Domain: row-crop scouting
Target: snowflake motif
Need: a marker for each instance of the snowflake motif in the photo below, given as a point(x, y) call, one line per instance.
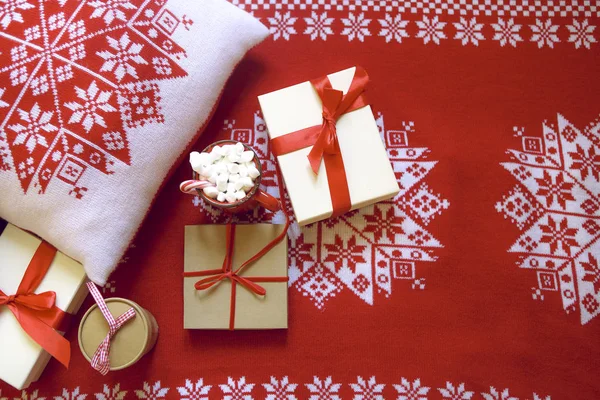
point(581, 33)
point(455, 393)
point(318, 26)
point(237, 390)
point(85, 113)
point(356, 27)
point(468, 31)
point(31, 134)
point(367, 390)
point(507, 32)
point(495, 395)
point(33, 396)
point(411, 391)
point(431, 30)
point(111, 9)
point(115, 394)
point(393, 28)
point(544, 33)
point(282, 25)
point(280, 389)
point(9, 11)
point(197, 391)
point(154, 392)
point(74, 395)
point(324, 389)
point(341, 255)
point(555, 205)
point(118, 62)
point(388, 225)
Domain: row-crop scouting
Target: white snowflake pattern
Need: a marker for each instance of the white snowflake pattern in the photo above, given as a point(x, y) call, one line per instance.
point(280, 389)
point(495, 395)
point(153, 392)
point(237, 390)
point(9, 11)
point(544, 33)
point(581, 33)
point(318, 26)
point(411, 391)
point(197, 391)
point(36, 121)
point(456, 393)
point(115, 394)
point(74, 395)
point(468, 31)
point(111, 9)
point(367, 390)
point(393, 28)
point(324, 389)
point(26, 396)
point(282, 25)
point(85, 113)
point(507, 32)
point(431, 30)
point(119, 62)
point(356, 27)
point(3, 104)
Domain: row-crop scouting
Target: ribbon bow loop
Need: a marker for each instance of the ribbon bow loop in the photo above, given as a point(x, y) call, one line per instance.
point(101, 359)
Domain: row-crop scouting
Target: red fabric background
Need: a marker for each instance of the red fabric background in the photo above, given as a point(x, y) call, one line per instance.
point(475, 323)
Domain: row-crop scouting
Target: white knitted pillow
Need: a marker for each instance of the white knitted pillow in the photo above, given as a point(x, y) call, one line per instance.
point(98, 99)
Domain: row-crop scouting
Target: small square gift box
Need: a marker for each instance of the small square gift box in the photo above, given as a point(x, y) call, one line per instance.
point(328, 146)
point(39, 287)
point(235, 277)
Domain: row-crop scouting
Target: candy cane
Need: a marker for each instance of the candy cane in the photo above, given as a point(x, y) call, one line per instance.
point(190, 186)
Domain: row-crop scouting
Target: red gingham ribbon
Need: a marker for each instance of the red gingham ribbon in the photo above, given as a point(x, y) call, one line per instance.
point(100, 362)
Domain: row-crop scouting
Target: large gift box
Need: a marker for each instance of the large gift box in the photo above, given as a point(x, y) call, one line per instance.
point(328, 146)
point(217, 295)
point(39, 285)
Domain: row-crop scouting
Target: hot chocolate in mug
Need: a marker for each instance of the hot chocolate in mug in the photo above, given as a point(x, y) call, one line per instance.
point(254, 196)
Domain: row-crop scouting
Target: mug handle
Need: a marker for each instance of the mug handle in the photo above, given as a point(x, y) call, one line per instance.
point(267, 201)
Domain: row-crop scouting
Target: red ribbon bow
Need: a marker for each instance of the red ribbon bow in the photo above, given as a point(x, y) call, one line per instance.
point(324, 137)
point(37, 313)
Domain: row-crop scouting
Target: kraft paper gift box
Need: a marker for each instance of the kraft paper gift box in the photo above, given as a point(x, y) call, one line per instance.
point(22, 360)
point(205, 250)
point(368, 170)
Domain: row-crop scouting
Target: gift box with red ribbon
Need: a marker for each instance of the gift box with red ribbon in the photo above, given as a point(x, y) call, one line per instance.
point(328, 146)
point(235, 277)
point(39, 289)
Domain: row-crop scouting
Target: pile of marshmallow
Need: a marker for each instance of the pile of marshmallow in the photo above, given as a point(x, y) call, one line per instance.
point(229, 168)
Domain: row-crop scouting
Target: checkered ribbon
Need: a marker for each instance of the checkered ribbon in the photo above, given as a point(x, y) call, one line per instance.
point(100, 361)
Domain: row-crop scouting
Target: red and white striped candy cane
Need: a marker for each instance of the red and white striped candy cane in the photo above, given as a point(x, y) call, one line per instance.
point(190, 186)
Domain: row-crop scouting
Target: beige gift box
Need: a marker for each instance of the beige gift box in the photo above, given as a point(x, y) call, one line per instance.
point(22, 360)
point(205, 249)
point(368, 169)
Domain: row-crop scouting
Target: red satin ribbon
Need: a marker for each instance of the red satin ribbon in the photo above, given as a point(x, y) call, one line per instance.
point(38, 314)
point(216, 276)
point(324, 137)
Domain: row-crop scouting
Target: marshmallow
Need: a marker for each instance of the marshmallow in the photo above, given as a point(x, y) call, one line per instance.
point(239, 195)
point(233, 168)
point(253, 172)
point(239, 148)
point(247, 182)
point(234, 177)
point(230, 197)
point(217, 150)
point(225, 150)
point(234, 157)
point(213, 178)
point(221, 168)
point(243, 170)
point(221, 197)
point(246, 156)
point(230, 187)
point(221, 184)
point(239, 185)
point(211, 192)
